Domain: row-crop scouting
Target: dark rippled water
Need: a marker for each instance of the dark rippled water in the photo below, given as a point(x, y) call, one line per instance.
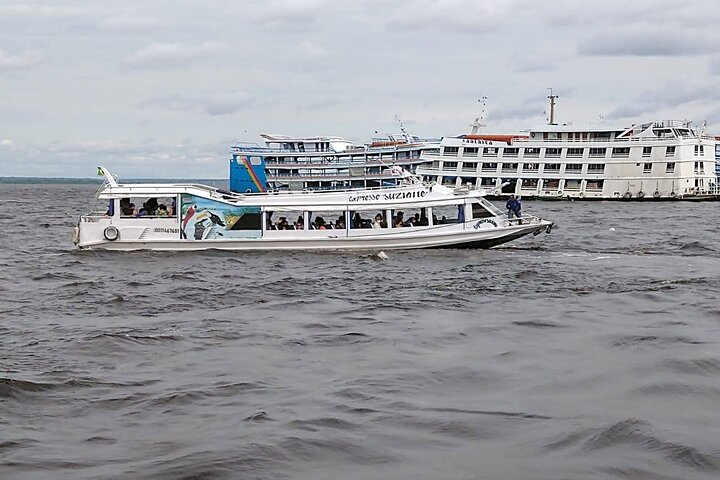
point(586, 354)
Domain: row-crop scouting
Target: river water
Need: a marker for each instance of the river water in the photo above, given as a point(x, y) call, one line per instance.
point(590, 353)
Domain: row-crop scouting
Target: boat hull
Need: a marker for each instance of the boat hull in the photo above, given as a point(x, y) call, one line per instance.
point(430, 237)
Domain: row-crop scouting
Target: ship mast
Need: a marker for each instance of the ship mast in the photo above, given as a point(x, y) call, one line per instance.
point(552, 106)
point(477, 124)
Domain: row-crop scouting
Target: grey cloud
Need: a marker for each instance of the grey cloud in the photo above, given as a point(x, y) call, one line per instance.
point(132, 23)
point(212, 103)
point(669, 96)
point(40, 9)
point(649, 44)
point(449, 15)
point(19, 61)
point(538, 65)
point(526, 110)
point(171, 54)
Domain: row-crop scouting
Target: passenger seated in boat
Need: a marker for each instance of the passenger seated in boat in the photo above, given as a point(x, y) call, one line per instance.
point(377, 222)
point(126, 208)
point(300, 223)
point(398, 221)
point(270, 224)
point(357, 220)
point(162, 211)
point(320, 223)
point(283, 224)
point(340, 223)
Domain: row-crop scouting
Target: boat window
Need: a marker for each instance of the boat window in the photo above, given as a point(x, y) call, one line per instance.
point(285, 220)
point(412, 217)
point(670, 167)
point(360, 219)
point(555, 152)
point(147, 207)
point(444, 215)
point(551, 167)
point(479, 211)
point(670, 151)
point(594, 185)
point(596, 167)
point(573, 167)
point(327, 220)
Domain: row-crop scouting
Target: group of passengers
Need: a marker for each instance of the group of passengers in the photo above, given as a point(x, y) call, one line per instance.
point(150, 208)
point(319, 223)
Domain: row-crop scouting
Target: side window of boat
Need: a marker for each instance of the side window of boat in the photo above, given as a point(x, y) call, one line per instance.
point(479, 211)
point(138, 207)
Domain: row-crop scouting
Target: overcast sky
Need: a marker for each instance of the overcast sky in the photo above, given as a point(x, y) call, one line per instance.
point(163, 88)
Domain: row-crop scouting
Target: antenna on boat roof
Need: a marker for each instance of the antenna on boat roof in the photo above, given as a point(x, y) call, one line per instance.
point(552, 107)
point(477, 124)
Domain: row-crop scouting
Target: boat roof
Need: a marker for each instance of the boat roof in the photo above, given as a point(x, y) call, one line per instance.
point(403, 196)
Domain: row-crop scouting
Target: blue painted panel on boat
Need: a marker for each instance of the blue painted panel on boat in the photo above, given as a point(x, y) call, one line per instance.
point(247, 174)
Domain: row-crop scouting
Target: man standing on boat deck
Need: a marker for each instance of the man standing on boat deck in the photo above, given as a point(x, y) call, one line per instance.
point(511, 206)
point(518, 207)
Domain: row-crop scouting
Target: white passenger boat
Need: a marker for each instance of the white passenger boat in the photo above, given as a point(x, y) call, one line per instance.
point(652, 161)
point(197, 217)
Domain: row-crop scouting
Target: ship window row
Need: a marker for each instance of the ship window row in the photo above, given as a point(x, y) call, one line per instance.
point(321, 160)
point(527, 185)
point(550, 152)
point(512, 167)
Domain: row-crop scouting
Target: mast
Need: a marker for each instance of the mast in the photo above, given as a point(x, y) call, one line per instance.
point(477, 124)
point(552, 106)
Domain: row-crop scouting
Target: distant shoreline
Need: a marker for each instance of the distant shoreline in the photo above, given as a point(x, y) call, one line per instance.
point(96, 181)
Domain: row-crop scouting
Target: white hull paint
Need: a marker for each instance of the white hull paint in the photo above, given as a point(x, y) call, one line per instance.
point(441, 236)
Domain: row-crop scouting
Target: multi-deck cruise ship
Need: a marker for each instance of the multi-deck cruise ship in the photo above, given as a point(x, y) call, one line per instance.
point(654, 160)
point(324, 162)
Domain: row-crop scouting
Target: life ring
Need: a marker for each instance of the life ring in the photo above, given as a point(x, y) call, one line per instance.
point(627, 195)
point(656, 194)
point(672, 194)
point(641, 194)
point(581, 194)
point(559, 193)
point(111, 233)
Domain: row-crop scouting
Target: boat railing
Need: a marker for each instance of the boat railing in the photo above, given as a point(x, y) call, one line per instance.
point(612, 140)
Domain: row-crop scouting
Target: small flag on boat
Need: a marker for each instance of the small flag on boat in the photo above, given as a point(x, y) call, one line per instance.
point(100, 171)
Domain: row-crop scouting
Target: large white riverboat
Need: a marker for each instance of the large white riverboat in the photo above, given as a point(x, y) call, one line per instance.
point(198, 217)
point(654, 160)
point(323, 162)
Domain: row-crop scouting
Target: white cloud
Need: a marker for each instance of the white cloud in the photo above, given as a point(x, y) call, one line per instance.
point(16, 62)
point(211, 103)
point(132, 23)
point(171, 54)
point(6, 142)
point(41, 9)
